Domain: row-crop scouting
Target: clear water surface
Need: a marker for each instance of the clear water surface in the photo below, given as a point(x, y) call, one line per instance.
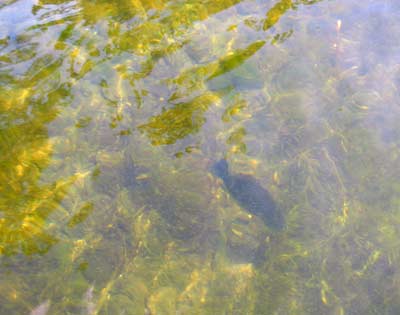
point(113, 114)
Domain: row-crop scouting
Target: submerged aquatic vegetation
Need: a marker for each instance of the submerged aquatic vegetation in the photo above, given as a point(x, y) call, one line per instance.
point(111, 114)
point(180, 121)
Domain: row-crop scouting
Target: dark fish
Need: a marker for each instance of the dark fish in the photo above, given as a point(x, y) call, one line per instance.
point(250, 195)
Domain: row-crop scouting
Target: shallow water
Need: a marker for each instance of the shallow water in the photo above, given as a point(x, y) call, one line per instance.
point(112, 114)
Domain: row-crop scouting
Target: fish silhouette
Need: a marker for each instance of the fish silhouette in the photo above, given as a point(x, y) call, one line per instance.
point(250, 195)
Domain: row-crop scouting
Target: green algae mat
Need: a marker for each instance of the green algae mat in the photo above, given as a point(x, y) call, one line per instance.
point(199, 157)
